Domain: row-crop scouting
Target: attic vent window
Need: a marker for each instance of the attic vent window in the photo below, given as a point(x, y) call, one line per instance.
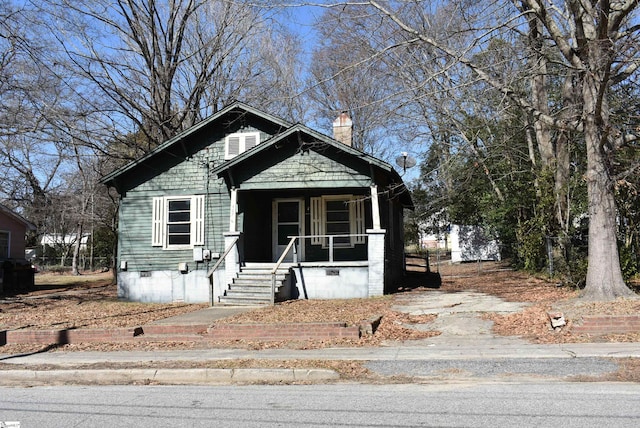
point(240, 142)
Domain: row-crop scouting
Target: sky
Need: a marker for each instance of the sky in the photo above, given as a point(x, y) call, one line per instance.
point(301, 19)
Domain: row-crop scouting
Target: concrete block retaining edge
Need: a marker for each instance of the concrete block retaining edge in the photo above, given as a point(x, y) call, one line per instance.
point(162, 376)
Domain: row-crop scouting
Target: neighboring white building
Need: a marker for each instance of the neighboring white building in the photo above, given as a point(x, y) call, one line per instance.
point(472, 243)
point(54, 239)
point(433, 241)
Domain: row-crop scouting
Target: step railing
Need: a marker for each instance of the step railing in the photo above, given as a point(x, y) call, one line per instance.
point(292, 243)
point(211, 271)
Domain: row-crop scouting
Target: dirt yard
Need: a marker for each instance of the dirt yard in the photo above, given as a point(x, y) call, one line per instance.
point(90, 301)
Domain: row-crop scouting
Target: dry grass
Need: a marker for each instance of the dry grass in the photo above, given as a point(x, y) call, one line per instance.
point(90, 302)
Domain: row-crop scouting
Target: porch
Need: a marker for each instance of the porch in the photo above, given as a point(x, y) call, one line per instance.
point(310, 243)
point(290, 277)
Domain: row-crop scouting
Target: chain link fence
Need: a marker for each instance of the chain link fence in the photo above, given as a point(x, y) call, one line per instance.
point(58, 264)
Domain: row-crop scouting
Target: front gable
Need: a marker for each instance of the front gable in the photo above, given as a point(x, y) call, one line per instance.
point(301, 158)
point(295, 165)
point(184, 158)
point(306, 170)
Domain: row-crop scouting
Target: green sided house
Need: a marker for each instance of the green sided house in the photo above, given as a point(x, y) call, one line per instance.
point(247, 208)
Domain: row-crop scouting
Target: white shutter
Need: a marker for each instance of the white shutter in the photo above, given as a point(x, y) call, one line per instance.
point(358, 206)
point(317, 224)
point(233, 146)
point(157, 223)
point(197, 220)
point(250, 141)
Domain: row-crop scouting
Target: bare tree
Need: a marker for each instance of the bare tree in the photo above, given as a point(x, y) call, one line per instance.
point(345, 76)
point(33, 96)
point(597, 43)
point(154, 68)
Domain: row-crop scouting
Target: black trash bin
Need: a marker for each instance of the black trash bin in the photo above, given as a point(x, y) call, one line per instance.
point(17, 276)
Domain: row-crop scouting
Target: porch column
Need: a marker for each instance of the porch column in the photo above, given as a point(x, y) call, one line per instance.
point(232, 261)
point(233, 210)
point(376, 261)
point(375, 207)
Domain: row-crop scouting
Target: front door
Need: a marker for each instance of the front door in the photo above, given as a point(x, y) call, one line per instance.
point(288, 220)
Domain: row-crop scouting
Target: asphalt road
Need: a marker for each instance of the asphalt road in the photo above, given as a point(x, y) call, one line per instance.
point(345, 405)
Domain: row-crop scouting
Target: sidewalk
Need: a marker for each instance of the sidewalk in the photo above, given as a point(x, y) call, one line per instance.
point(464, 350)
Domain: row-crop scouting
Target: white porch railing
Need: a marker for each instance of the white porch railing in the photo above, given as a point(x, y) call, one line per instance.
point(292, 245)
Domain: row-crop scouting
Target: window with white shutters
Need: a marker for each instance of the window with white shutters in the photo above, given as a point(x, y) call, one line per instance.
point(337, 215)
point(240, 142)
point(359, 227)
point(178, 222)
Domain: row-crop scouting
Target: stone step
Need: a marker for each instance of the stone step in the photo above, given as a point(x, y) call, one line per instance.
point(262, 272)
point(249, 293)
point(250, 288)
point(257, 278)
point(245, 301)
point(264, 268)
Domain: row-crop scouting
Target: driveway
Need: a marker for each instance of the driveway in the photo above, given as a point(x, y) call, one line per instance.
point(459, 316)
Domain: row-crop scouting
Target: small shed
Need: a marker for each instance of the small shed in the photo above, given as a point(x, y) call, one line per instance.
point(473, 243)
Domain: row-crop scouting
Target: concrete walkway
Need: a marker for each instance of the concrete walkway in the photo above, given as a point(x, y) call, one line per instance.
point(465, 336)
point(204, 316)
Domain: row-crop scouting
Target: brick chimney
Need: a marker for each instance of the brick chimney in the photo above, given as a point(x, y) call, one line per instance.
point(342, 128)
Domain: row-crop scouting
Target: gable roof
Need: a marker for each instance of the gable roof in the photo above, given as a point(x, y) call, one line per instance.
point(326, 141)
point(288, 130)
point(302, 129)
point(17, 217)
point(236, 106)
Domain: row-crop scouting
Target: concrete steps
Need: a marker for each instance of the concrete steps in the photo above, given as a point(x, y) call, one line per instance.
point(252, 286)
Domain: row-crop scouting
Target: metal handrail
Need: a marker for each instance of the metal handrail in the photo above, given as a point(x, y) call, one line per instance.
point(224, 255)
point(278, 263)
point(217, 264)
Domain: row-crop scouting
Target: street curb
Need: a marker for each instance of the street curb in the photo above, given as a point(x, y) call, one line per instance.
point(163, 376)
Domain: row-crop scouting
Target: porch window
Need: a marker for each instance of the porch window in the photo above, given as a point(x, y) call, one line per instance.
point(240, 142)
point(178, 222)
point(4, 244)
point(338, 215)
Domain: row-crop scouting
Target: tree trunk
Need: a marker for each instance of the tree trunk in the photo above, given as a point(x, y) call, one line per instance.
point(604, 275)
point(563, 158)
point(76, 251)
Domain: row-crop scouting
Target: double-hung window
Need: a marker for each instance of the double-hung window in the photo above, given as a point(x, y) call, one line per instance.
point(178, 222)
point(338, 215)
point(240, 142)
